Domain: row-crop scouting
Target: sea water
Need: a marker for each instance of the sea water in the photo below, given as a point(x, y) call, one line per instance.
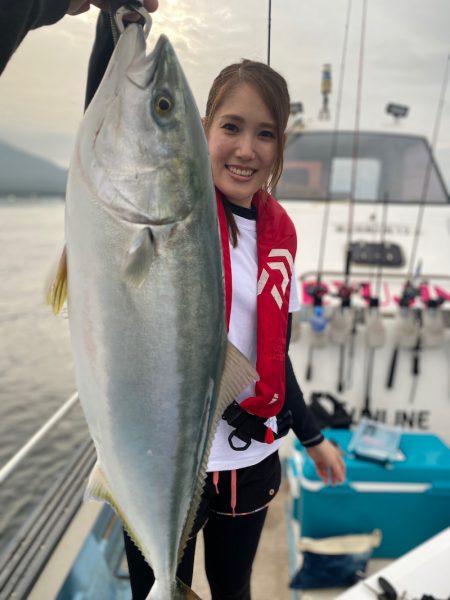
point(36, 370)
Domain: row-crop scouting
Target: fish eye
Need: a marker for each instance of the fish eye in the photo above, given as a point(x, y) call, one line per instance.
point(163, 104)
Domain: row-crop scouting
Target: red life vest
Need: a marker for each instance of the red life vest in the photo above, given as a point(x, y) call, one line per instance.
point(276, 249)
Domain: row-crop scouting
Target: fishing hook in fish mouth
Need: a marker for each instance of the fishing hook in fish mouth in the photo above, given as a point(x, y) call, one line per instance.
point(134, 6)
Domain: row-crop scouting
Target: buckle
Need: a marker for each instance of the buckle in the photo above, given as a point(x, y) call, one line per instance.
point(232, 412)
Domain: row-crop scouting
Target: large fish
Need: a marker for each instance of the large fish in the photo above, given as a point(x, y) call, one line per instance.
point(145, 298)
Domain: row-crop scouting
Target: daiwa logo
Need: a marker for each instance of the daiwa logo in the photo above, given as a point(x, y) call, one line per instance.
point(275, 398)
point(285, 267)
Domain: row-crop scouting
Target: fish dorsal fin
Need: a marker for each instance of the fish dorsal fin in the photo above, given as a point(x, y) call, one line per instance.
point(57, 289)
point(139, 258)
point(237, 374)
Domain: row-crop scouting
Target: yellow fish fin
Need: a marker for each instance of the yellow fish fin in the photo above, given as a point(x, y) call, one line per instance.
point(57, 288)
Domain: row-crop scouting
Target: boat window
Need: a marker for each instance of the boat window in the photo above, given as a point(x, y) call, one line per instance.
point(397, 168)
point(367, 176)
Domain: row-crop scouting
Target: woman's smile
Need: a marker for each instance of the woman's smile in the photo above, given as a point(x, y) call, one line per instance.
point(242, 145)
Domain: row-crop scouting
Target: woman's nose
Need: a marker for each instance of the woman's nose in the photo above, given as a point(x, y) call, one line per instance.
point(246, 147)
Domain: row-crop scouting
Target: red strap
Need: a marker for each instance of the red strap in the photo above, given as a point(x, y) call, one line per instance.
point(223, 228)
point(216, 480)
point(268, 436)
point(233, 491)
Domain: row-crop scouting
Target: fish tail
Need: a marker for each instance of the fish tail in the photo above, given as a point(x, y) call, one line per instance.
point(181, 592)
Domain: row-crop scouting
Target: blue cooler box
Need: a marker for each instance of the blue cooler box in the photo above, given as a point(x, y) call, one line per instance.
point(409, 500)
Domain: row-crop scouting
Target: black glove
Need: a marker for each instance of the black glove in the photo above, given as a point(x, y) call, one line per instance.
point(248, 427)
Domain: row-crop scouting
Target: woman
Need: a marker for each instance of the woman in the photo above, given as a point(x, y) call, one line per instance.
point(246, 117)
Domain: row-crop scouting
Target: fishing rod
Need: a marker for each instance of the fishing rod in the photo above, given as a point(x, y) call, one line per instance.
point(318, 321)
point(318, 337)
point(341, 322)
point(426, 181)
point(407, 327)
point(375, 331)
point(326, 213)
point(409, 323)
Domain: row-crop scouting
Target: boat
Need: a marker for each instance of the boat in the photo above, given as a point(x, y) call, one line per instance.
point(372, 340)
point(373, 219)
point(381, 260)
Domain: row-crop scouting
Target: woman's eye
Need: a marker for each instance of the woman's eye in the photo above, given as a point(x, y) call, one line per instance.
point(230, 127)
point(267, 134)
point(163, 104)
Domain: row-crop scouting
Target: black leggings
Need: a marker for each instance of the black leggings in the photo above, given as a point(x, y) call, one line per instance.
point(230, 549)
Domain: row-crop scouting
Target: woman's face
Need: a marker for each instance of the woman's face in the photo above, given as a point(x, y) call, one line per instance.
point(242, 145)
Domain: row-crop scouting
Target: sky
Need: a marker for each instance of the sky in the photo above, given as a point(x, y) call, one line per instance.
point(406, 50)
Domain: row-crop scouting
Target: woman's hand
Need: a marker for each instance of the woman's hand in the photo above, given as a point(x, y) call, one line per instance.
point(80, 6)
point(328, 462)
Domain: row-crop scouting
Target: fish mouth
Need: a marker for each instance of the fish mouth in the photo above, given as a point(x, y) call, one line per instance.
point(143, 69)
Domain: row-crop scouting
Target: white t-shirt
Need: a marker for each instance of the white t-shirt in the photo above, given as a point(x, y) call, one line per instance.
point(242, 333)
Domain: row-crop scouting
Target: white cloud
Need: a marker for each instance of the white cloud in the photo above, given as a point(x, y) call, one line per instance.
point(42, 89)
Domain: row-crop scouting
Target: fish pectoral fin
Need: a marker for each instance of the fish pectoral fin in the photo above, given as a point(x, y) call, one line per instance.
point(56, 288)
point(237, 374)
point(139, 258)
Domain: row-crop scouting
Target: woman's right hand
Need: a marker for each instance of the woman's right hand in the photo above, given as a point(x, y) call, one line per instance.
point(80, 6)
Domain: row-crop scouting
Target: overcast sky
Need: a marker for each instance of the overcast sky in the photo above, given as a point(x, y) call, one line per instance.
point(406, 49)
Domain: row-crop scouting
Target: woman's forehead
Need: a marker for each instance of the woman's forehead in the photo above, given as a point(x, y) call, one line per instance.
point(245, 98)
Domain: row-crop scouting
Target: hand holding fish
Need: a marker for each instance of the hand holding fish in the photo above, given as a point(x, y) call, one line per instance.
point(77, 7)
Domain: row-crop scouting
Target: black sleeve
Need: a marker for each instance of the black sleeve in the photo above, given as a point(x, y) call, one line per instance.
point(100, 55)
point(17, 17)
point(303, 425)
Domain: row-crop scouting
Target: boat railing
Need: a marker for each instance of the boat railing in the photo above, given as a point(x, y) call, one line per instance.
point(29, 551)
point(12, 464)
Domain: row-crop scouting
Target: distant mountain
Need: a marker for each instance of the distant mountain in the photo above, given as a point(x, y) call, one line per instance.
point(24, 174)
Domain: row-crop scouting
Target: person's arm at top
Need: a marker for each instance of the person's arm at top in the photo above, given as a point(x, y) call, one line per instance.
point(18, 17)
point(326, 457)
point(102, 50)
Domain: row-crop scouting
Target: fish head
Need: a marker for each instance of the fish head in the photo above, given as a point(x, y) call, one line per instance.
point(146, 154)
